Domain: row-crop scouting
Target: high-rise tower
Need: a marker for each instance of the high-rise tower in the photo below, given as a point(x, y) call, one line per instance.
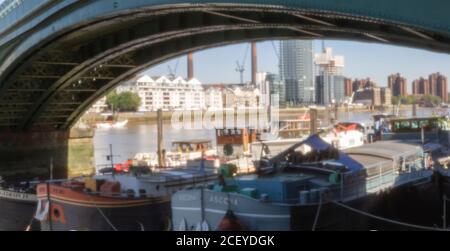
point(296, 70)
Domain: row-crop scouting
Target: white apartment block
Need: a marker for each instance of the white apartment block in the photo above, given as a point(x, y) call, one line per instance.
point(179, 94)
point(165, 93)
point(264, 88)
point(214, 98)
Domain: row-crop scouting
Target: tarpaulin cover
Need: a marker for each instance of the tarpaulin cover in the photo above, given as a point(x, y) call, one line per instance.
point(317, 143)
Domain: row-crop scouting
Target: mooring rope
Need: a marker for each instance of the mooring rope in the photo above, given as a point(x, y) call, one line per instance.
point(316, 220)
point(103, 215)
point(389, 220)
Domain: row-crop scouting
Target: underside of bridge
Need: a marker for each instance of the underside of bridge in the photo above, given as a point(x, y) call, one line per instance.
point(45, 89)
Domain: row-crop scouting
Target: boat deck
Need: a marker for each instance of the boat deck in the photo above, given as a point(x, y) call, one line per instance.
point(387, 150)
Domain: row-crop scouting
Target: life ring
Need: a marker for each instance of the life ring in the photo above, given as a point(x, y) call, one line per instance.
point(57, 213)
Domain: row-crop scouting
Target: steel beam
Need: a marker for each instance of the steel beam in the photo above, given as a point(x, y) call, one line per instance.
point(247, 20)
point(313, 20)
point(417, 33)
point(378, 38)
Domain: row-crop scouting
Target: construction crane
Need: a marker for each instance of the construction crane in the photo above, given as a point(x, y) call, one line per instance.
point(278, 54)
point(173, 71)
point(275, 50)
point(241, 67)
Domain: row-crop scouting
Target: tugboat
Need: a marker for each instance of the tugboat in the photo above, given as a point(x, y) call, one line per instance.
point(137, 200)
point(17, 206)
point(304, 188)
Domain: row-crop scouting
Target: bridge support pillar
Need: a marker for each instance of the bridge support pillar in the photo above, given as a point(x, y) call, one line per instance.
point(29, 155)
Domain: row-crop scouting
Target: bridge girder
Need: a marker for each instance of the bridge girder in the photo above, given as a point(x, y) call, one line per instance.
point(52, 86)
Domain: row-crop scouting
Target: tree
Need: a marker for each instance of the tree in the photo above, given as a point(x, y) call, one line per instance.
point(395, 100)
point(125, 101)
point(434, 100)
point(129, 101)
point(405, 100)
point(112, 100)
point(411, 100)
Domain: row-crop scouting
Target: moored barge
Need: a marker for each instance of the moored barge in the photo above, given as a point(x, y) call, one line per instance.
point(135, 201)
point(17, 207)
point(305, 187)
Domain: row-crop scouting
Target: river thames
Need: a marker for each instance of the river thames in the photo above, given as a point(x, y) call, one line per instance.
point(142, 136)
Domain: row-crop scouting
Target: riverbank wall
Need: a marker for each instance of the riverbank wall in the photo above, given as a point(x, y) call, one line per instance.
point(284, 113)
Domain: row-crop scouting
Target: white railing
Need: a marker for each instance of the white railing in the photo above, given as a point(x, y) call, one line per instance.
point(357, 185)
point(8, 5)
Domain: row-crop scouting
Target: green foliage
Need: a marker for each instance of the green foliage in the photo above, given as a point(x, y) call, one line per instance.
point(411, 99)
point(125, 101)
point(403, 100)
point(432, 99)
point(395, 100)
point(112, 100)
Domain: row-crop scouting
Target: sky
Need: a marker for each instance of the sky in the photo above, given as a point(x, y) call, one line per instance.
point(374, 60)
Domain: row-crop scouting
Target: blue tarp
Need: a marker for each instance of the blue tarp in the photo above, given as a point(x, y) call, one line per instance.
point(317, 143)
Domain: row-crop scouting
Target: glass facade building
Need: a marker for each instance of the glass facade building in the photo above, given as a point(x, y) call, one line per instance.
point(297, 70)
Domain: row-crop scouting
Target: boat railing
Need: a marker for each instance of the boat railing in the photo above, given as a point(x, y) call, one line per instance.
point(372, 179)
point(178, 179)
point(121, 195)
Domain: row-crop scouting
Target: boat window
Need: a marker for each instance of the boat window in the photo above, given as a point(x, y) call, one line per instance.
point(434, 124)
point(405, 125)
point(415, 124)
point(424, 123)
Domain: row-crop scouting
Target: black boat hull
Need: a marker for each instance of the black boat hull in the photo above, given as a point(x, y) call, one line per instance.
point(409, 204)
point(17, 214)
point(153, 216)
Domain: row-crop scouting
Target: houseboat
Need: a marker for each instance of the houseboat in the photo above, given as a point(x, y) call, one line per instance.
point(137, 200)
point(17, 206)
point(309, 187)
point(234, 147)
point(185, 152)
point(423, 129)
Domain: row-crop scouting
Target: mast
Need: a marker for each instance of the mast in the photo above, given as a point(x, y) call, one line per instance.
point(161, 159)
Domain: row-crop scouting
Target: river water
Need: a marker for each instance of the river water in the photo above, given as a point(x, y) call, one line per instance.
point(142, 137)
